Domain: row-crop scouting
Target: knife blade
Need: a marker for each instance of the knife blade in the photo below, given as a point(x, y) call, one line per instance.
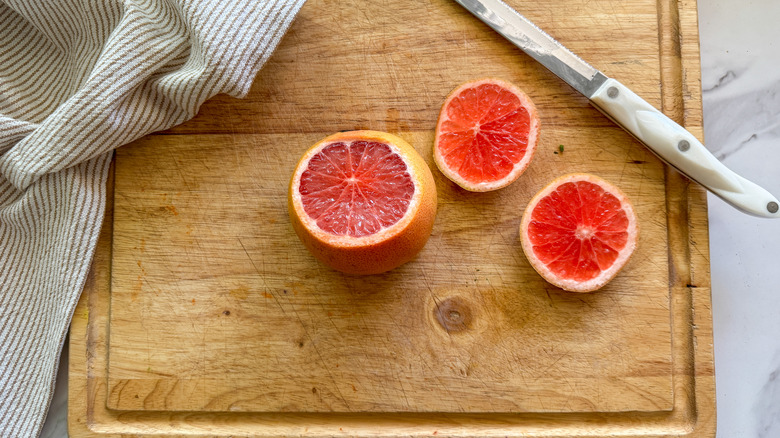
point(664, 137)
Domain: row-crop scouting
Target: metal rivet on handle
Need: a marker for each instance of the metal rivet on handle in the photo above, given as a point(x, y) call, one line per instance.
point(772, 207)
point(612, 92)
point(683, 145)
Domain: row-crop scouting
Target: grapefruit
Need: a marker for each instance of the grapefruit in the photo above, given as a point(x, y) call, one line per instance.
point(363, 202)
point(578, 232)
point(486, 135)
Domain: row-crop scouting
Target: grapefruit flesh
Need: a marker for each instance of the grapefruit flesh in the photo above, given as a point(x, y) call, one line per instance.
point(356, 189)
point(363, 202)
point(486, 135)
point(578, 232)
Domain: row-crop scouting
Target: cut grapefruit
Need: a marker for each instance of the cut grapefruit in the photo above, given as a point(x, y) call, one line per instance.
point(486, 135)
point(578, 232)
point(363, 202)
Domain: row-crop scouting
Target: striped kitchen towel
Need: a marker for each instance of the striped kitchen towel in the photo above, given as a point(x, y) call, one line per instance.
point(77, 79)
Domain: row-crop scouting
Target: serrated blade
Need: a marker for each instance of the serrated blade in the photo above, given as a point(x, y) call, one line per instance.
point(537, 44)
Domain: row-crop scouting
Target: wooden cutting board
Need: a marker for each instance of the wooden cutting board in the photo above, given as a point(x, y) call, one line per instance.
point(205, 316)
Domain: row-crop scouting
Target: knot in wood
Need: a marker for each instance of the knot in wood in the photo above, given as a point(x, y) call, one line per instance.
point(454, 314)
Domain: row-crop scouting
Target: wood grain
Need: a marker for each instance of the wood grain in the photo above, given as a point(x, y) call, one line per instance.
point(386, 65)
point(205, 316)
point(268, 328)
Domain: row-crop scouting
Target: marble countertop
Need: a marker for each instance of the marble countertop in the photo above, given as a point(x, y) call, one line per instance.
point(740, 53)
point(740, 49)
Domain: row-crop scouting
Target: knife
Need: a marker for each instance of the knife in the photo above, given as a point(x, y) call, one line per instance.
point(668, 140)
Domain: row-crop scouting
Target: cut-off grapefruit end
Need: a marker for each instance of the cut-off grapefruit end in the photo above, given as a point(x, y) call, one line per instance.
point(579, 232)
point(486, 134)
point(363, 202)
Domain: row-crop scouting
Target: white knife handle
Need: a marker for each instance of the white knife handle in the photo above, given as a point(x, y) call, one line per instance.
point(678, 147)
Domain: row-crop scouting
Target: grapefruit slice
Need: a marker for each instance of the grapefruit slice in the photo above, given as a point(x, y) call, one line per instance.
point(578, 232)
point(363, 202)
point(486, 135)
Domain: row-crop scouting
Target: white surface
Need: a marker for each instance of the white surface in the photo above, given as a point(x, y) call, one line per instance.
point(56, 422)
point(740, 50)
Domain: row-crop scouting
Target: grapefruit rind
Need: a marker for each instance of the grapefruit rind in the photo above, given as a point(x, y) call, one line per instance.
point(386, 249)
point(606, 275)
point(519, 167)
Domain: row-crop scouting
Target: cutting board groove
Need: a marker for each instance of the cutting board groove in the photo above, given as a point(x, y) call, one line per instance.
point(204, 316)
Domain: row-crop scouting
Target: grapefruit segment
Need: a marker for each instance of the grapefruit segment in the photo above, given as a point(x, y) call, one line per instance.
point(578, 232)
point(486, 135)
point(363, 202)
